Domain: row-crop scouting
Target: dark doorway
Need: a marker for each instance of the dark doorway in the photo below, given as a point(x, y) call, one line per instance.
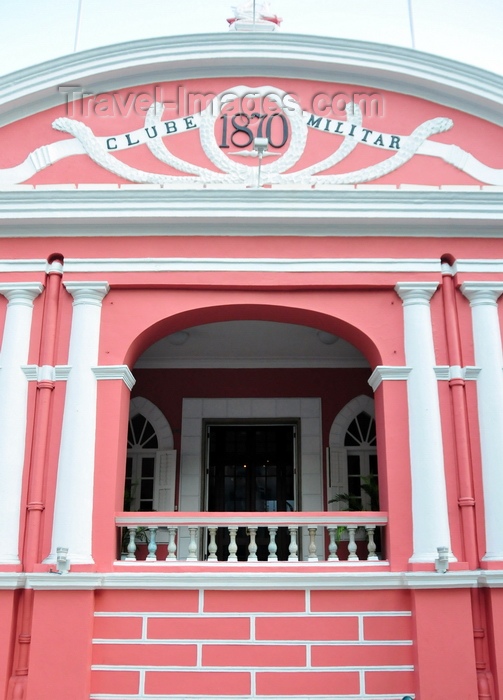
point(251, 468)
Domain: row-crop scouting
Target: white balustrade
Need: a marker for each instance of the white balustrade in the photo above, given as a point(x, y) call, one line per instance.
point(252, 537)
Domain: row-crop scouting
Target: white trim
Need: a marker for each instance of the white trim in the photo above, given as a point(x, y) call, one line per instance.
point(444, 372)
point(343, 419)
point(332, 265)
point(301, 56)
point(12, 581)
point(115, 372)
point(320, 577)
point(46, 373)
point(388, 372)
point(157, 419)
point(364, 210)
point(320, 265)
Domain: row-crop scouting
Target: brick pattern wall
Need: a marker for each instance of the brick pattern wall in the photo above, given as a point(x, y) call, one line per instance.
point(252, 644)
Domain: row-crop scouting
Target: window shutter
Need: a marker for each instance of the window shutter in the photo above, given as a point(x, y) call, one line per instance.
point(164, 480)
point(337, 475)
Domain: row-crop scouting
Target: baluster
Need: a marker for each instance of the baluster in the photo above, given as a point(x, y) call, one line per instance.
point(272, 547)
point(131, 548)
point(233, 548)
point(171, 543)
point(252, 547)
point(332, 547)
point(352, 544)
point(312, 544)
point(371, 546)
point(192, 544)
point(152, 544)
point(212, 545)
point(293, 547)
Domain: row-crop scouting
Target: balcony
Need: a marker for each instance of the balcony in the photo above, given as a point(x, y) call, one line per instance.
point(340, 538)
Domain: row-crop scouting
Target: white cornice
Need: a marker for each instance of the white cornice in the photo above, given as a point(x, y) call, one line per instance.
point(391, 266)
point(121, 372)
point(315, 576)
point(11, 581)
point(383, 372)
point(141, 211)
point(280, 55)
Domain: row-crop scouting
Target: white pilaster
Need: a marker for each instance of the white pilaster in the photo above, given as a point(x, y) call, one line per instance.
point(429, 496)
point(13, 410)
point(483, 298)
point(73, 509)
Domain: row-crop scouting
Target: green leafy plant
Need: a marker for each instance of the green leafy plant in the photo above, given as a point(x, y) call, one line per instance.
point(369, 485)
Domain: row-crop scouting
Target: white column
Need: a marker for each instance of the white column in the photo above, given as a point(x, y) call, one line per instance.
point(73, 509)
point(429, 495)
point(13, 411)
point(483, 298)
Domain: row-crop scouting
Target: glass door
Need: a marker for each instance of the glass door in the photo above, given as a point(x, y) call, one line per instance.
point(251, 468)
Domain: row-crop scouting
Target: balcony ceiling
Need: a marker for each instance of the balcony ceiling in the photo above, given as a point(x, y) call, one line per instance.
point(251, 344)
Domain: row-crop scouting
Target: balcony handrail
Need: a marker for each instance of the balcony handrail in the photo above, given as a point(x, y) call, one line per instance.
point(247, 519)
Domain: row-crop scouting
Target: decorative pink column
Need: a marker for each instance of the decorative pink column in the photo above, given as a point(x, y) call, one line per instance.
point(73, 509)
point(13, 410)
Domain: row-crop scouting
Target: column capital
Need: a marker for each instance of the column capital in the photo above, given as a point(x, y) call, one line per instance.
point(416, 292)
point(482, 293)
point(87, 293)
point(21, 293)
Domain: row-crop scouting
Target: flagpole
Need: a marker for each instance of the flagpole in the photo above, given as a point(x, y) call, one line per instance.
point(77, 28)
point(411, 25)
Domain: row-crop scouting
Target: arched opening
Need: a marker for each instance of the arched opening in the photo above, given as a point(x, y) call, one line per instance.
point(251, 403)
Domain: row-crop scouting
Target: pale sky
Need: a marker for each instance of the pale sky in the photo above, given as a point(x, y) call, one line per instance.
point(33, 31)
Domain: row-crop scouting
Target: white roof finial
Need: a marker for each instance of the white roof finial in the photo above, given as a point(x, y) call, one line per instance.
point(254, 16)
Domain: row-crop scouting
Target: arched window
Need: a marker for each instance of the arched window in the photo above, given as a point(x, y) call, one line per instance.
point(352, 474)
point(151, 460)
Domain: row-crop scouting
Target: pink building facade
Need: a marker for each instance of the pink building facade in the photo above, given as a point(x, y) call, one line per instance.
point(251, 377)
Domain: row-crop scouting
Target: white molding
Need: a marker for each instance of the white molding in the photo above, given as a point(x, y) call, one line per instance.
point(483, 293)
point(115, 372)
point(332, 265)
point(477, 266)
point(343, 419)
point(156, 417)
point(228, 54)
point(87, 293)
point(388, 372)
point(320, 576)
point(46, 373)
point(446, 373)
point(358, 211)
point(12, 581)
point(21, 293)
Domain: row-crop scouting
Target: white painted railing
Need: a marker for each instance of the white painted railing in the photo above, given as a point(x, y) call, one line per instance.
point(214, 536)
